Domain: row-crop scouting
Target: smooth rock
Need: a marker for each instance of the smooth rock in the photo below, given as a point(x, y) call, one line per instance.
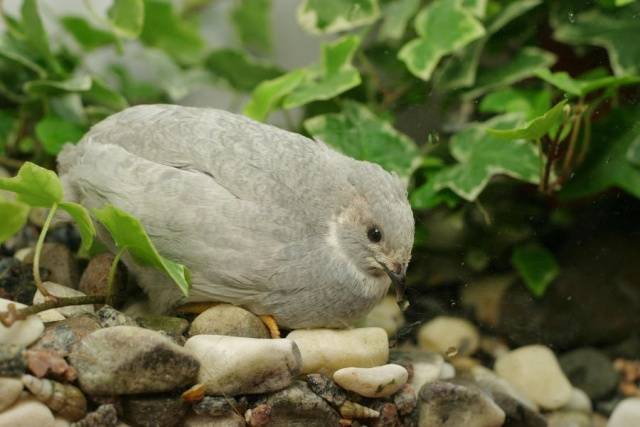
point(386, 315)
point(445, 333)
point(297, 405)
point(227, 319)
point(447, 372)
point(626, 413)
point(62, 291)
point(237, 365)
point(60, 262)
point(484, 297)
point(154, 411)
point(568, 419)
point(109, 316)
point(95, 277)
point(61, 336)
point(591, 371)
point(104, 416)
point(22, 332)
point(27, 413)
point(231, 420)
point(443, 404)
point(493, 384)
point(10, 389)
point(13, 362)
point(535, 371)
point(380, 381)
point(129, 359)
point(175, 327)
point(423, 367)
point(579, 402)
point(327, 350)
point(405, 400)
point(61, 422)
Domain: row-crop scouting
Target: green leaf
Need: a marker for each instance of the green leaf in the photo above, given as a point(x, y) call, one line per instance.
point(616, 30)
point(36, 34)
point(477, 7)
point(83, 221)
point(359, 133)
point(252, 23)
point(582, 87)
point(333, 16)
point(85, 34)
point(164, 29)
point(607, 165)
point(35, 186)
point(79, 83)
point(101, 94)
point(14, 51)
point(13, 216)
point(633, 153)
point(336, 74)
point(537, 267)
point(269, 94)
point(530, 103)
point(396, 16)
point(240, 71)
point(524, 65)
point(482, 155)
point(444, 27)
point(128, 233)
point(536, 128)
point(127, 17)
point(53, 132)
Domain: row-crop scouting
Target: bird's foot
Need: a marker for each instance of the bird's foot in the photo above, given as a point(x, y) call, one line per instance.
point(271, 325)
point(195, 307)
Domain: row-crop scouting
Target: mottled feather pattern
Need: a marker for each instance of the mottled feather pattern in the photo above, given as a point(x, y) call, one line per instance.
point(246, 206)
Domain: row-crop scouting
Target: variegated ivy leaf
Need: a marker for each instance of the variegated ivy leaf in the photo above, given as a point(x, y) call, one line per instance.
point(396, 16)
point(536, 265)
point(443, 26)
point(359, 133)
point(530, 103)
point(332, 16)
point(481, 156)
point(536, 128)
point(251, 21)
point(582, 87)
point(477, 7)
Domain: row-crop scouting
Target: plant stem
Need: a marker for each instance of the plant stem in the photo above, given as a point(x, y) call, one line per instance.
point(8, 317)
point(540, 154)
point(112, 275)
point(39, 245)
point(573, 139)
point(12, 163)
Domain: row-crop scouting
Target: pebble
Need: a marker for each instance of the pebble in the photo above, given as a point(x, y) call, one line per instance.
point(591, 371)
point(22, 332)
point(62, 291)
point(297, 405)
point(109, 316)
point(326, 388)
point(105, 416)
point(493, 384)
point(13, 362)
point(579, 401)
point(215, 406)
point(569, 419)
point(10, 389)
point(380, 381)
point(154, 411)
point(175, 327)
point(95, 276)
point(448, 371)
point(386, 315)
point(60, 262)
point(16, 280)
point(62, 336)
point(238, 365)
point(485, 296)
point(535, 371)
point(626, 413)
point(444, 404)
point(445, 333)
point(423, 366)
point(405, 399)
point(231, 420)
point(26, 413)
point(327, 350)
point(227, 319)
point(129, 359)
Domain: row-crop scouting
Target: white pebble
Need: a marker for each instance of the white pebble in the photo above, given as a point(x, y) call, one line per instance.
point(238, 365)
point(62, 292)
point(426, 369)
point(380, 381)
point(579, 401)
point(448, 371)
point(626, 413)
point(27, 413)
point(10, 389)
point(535, 372)
point(445, 333)
point(22, 332)
point(327, 350)
point(386, 315)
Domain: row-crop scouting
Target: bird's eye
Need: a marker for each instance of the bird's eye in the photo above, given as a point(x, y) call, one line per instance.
point(374, 234)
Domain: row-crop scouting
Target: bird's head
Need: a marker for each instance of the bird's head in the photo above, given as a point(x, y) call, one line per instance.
point(375, 228)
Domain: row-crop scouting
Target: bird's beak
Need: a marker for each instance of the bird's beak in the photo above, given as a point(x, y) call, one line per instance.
point(398, 280)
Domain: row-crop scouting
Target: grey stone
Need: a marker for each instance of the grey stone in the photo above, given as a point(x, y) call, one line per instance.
point(60, 262)
point(13, 362)
point(129, 359)
point(109, 316)
point(154, 411)
point(16, 280)
point(215, 406)
point(298, 406)
point(569, 419)
point(227, 319)
point(61, 336)
point(326, 388)
point(444, 404)
point(591, 371)
point(175, 327)
point(104, 416)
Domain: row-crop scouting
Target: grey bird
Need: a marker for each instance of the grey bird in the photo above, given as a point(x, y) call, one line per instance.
point(264, 218)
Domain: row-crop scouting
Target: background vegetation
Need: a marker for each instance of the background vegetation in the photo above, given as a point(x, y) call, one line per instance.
point(512, 121)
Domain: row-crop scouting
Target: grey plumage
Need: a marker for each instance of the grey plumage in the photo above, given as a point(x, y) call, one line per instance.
point(263, 218)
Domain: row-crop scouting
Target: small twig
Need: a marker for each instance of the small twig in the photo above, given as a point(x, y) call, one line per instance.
point(38, 251)
point(568, 164)
point(540, 154)
point(552, 154)
point(112, 275)
point(11, 315)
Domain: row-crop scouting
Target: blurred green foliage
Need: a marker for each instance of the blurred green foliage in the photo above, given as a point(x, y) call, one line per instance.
point(472, 81)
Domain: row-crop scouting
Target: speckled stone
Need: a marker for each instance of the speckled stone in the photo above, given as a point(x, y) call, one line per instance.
point(61, 336)
point(13, 362)
point(297, 405)
point(154, 411)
